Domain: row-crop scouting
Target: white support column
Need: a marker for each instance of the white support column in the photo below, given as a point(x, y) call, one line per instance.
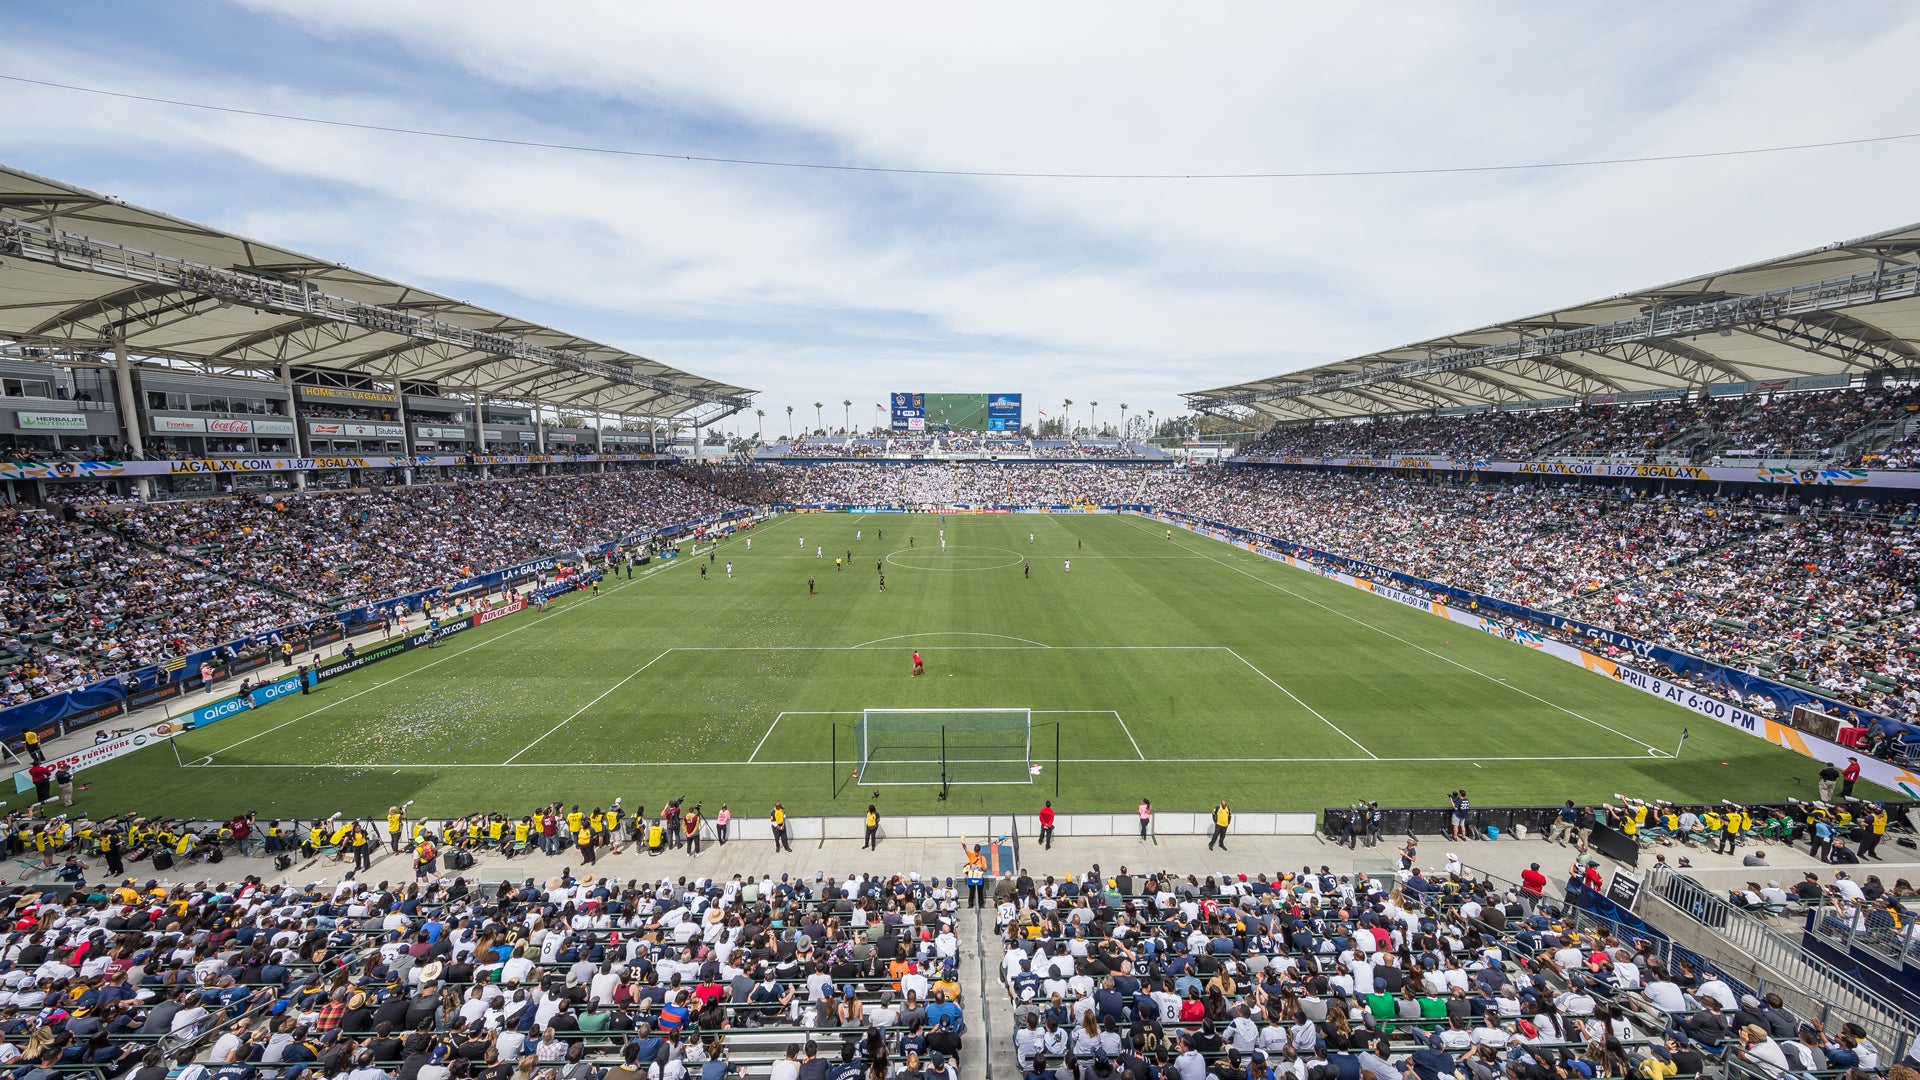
point(540, 432)
point(302, 444)
point(406, 430)
point(132, 415)
point(479, 403)
point(599, 440)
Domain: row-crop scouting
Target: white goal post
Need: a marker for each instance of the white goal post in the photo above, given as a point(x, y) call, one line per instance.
point(944, 746)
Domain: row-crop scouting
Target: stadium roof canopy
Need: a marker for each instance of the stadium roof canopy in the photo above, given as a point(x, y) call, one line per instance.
point(83, 273)
point(1846, 308)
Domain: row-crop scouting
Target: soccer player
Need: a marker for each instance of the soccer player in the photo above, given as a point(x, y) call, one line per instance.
point(1029, 538)
point(1027, 571)
point(1069, 567)
point(729, 569)
point(1078, 544)
point(703, 571)
point(749, 543)
point(1169, 534)
point(809, 586)
point(836, 564)
point(803, 545)
point(819, 552)
point(919, 665)
point(883, 583)
point(856, 534)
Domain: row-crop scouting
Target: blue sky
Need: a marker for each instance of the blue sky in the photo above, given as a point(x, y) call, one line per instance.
point(824, 286)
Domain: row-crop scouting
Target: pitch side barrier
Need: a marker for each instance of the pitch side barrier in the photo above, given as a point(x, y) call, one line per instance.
point(1465, 607)
point(57, 714)
point(290, 686)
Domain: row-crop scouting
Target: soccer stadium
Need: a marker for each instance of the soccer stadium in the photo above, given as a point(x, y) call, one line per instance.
point(405, 687)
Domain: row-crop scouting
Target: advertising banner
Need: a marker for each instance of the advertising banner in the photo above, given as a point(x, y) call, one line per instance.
point(1003, 412)
point(178, 423)
point(357, 431)
point(48, 421)
point(329, 393)
point(100, 753)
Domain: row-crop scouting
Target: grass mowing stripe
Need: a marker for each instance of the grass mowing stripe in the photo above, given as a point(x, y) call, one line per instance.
point(1424, 649)
point(588, 705)
point(1302, 704)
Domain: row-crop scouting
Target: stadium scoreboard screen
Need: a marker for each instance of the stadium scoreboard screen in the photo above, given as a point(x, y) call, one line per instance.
point(956, 412)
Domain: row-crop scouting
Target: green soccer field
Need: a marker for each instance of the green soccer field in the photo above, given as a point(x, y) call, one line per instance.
point(1182, 670)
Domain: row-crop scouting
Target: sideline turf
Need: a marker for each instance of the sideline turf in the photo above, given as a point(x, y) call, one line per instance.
point(1180, 670)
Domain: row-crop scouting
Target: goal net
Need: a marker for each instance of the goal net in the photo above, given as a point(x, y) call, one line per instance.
point(945, 746)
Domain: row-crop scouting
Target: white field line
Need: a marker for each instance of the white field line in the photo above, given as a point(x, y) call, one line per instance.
point(1304, 705)
point(591, 704)
point(769, 734)
point(528, 625)
point(1412, 645)
point(1123, 727)
point(642, 576)
point(823, 761)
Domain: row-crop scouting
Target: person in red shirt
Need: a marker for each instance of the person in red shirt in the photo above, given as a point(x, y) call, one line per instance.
point(1532, 881)
point(1046, 825)
point(919, 665)
point(42, 777)
point(1849, 776)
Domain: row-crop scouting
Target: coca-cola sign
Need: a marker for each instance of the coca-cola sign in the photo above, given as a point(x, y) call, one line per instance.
point(230, 427)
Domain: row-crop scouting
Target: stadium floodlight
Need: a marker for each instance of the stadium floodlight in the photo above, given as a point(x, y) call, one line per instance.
point(944, 746)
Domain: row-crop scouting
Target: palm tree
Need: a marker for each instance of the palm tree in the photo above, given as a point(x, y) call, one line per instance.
point(789, 423)
point(1123, 419)
point(819, 424)
point(846, 416)
point(1093, 425)
point(760, 422)
point(1066, 414)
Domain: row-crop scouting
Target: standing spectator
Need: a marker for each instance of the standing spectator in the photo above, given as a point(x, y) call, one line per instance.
point(1046, 825)
point(720, 822)
point(1146, 817)
point(64, 777)
point(32, 740)
point(42, 778)
point(873, 829)
point(1849, 776)
point(779, 819)
point(1829, 776)
point(1462, 806)
point(1222, 817)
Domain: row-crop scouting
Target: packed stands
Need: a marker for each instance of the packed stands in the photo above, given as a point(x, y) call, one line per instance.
point(968, 445)
point(119, 586)
point(442, 976)
point(1839, 426)
point(1817, 590)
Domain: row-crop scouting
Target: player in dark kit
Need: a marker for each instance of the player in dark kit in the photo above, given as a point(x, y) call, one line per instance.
point(919, 666)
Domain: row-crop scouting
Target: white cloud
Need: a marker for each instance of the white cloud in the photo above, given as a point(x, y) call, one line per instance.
point(822, 285)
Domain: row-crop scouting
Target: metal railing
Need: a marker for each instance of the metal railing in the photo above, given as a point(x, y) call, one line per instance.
point(1892, 1024)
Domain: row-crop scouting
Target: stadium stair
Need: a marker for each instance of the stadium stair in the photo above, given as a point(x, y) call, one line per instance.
point(1752, 947)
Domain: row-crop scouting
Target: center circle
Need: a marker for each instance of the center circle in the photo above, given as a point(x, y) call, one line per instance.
point(955, 557)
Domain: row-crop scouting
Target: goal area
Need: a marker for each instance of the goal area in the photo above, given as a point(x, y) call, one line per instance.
point(944, 746)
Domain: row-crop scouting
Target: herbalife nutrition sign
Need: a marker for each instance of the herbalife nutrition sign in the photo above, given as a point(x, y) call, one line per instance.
point(50, 421)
